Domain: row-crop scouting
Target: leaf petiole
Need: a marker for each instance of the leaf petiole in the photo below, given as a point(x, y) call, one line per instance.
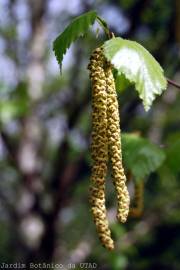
point(104, 26)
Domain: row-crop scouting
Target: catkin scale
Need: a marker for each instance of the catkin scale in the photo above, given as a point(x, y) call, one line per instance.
point(114, 147)
point(99, 147)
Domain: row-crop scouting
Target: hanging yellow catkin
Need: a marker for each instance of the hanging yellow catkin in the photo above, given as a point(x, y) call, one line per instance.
point(114, 147)
point(99, 147)
point(137, 209)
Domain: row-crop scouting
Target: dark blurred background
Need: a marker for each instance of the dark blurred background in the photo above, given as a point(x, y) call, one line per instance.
point(45, 128)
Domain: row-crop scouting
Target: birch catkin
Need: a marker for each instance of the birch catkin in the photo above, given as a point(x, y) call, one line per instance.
point(106, 142)
point(137, 209)
point(99, 147)
point(114, 146)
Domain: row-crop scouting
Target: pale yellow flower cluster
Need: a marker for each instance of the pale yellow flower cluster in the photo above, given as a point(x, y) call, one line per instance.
point(114, 144)
point(99, 147)
point(106, 142)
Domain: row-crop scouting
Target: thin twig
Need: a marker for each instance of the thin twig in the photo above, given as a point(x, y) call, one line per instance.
point(173, 83)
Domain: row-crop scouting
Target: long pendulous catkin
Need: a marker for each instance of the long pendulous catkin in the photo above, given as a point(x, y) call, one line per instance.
point(114, 147)
point(137, 209)
point(99, 147)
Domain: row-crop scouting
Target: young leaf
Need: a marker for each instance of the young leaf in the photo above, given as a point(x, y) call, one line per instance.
point(78, 27)
point(140, 156)
point(138, 65)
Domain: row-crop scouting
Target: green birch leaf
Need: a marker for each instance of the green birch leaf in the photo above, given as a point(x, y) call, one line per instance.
point(139, 67)
point(78, 27)
point(140, 156)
